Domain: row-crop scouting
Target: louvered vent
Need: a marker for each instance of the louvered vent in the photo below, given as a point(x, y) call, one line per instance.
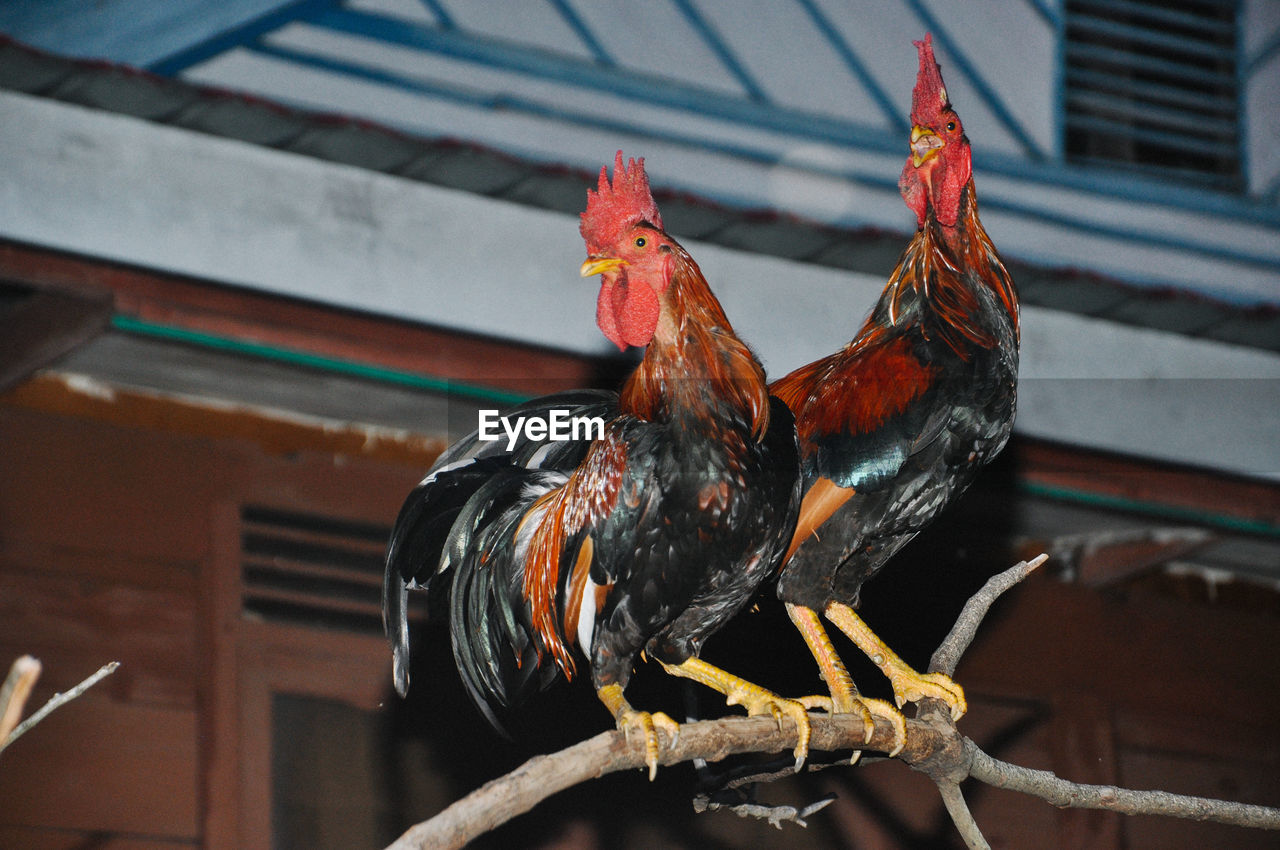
point(1152, 84)
point(312, 570)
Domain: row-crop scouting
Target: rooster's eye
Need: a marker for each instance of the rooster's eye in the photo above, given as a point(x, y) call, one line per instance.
point(640, 241)
point(951, 126)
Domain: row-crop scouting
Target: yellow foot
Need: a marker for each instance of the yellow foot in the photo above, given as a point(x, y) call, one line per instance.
point(631, 722)
point(878, 708)
point(647, 724)
point(755, 699)
point(908, 685)
point(844, 697)
point(870, 710)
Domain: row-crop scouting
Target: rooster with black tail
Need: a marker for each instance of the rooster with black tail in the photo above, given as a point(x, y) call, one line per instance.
point(649, 538)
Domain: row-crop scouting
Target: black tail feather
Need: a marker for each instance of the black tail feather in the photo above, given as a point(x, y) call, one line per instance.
point(462, 519)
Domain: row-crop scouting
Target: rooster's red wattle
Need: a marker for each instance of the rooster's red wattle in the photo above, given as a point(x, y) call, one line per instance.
point(896, 424)
point(648, 538)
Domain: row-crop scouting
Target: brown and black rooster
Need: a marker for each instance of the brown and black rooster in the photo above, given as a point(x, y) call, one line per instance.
point(648, 538)
point(896, 424)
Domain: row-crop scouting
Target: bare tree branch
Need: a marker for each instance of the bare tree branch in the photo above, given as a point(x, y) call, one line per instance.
point(58, 700)
point(502, 799)
point(1072, 795)
point(934, 747)
point(947, 656)
point(961, 816)
point(15, 692)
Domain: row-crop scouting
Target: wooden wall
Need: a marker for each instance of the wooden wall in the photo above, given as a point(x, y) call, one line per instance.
point(119, 541)
point(112, 538)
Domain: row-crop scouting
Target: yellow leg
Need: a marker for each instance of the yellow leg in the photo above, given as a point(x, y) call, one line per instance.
point(845, 698)
point(630, 721)
point(908, 685)
point(755, 699)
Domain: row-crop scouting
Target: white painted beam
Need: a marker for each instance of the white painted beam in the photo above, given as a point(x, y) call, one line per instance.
point(110, 186)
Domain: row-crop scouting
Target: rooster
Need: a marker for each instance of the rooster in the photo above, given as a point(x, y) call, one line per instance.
point(895, 425)
point(648, 538)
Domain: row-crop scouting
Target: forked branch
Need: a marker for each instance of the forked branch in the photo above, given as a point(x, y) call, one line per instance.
point(934, 747)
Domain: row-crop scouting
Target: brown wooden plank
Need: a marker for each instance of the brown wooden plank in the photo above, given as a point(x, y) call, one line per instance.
point(79, 485)
point(1084, 750)
point(1155, 729)
point(305, 326)
point(1147, 482)
point(75, 625)
point(51, 394)
point(26, 555)
point(219, 620)
point(54, 838)
point(1047, 638)
point(96, 764)
point(39, 326)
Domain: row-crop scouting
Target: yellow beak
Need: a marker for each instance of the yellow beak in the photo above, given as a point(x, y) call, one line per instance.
point(925, 145)
point(600, 265)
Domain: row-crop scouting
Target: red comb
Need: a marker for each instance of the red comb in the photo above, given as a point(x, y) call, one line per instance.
point(930, 95)
point(614, 207)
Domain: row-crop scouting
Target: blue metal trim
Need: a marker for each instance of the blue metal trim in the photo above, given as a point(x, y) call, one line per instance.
point(667, 93)
point(1097, 81)
point(664, 92)
point(443, 18)
point(1141, 35)
point(979, 83)
point(1148, 62)
point(1242, 100)
point(592, 119)
point(708, 34)
point(855, 65)
point(245, 34)
point(1160, 15)
point(1271, 194)
point(299, 357)
point(1046, 12)
point(1268, 50)
point(1171, 138)
point(1138, 237)
point(878, 181)
point(1060, 90)
point(1204, 179)
point(628, 84)
point(579, 26)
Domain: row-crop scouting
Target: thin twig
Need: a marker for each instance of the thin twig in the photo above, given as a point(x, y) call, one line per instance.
point(953, 799)
point(1065, 794)
point(58, 700)
point(14, 693)
point(775, 815)
point(962, 633)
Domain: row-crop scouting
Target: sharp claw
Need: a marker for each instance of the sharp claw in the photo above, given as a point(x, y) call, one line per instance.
point(757, 701)
point(648, 724)
point(868, 721)
point(909, 686)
